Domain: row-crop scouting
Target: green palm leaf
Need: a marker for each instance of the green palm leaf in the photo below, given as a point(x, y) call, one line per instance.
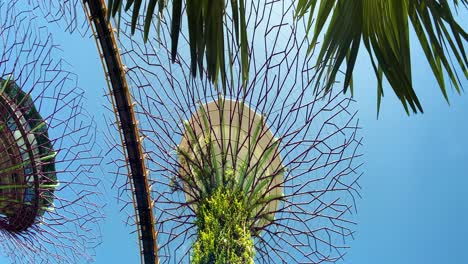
point(383, 27)
point(206, 31)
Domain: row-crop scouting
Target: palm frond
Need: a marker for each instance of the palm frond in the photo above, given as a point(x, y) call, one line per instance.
point(383, 27)
point(206, 31)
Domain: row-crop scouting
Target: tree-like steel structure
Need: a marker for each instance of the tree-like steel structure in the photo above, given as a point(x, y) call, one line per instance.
point(288, 155)
point(49, 209)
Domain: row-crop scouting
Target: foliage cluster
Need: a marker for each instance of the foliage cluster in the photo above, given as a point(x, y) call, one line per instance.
point(223, 230)
point(206, 30)
point(382, 26)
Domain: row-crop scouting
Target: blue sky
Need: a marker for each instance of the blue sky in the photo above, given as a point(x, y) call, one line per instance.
point(414, 207)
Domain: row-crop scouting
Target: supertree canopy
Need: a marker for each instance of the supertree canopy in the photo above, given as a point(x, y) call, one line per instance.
point(48, 195)
point(261, 169)
point(28, 171)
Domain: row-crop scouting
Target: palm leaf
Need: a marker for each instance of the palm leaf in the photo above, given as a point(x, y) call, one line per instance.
point(175, 26)
point(383, 27)
point(206, 31)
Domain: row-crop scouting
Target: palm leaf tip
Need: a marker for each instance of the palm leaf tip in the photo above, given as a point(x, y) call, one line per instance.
point(175, 26)
point(206, 27)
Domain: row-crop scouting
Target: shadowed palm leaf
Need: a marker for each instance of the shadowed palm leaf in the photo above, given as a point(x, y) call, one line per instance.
point(383, 27)
point(206, 30)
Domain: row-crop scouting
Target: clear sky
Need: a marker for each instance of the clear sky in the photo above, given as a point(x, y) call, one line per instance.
point(414, 207)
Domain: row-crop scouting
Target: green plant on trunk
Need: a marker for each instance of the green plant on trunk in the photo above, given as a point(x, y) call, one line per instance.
point(223, 230)
point(231, 202)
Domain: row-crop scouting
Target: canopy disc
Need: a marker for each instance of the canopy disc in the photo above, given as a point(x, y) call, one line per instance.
point(28, 177)
point(240, 135)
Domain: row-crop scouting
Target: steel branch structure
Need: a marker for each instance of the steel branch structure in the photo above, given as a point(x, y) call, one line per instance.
point(49, 209)
point(67, 13)
point(306, 144)
point(128, 127)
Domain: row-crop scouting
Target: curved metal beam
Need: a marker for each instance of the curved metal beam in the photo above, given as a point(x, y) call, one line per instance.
point(128, 129)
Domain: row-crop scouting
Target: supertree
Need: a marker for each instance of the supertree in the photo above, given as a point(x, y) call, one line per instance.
point(49, 211)
point(263, 170)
